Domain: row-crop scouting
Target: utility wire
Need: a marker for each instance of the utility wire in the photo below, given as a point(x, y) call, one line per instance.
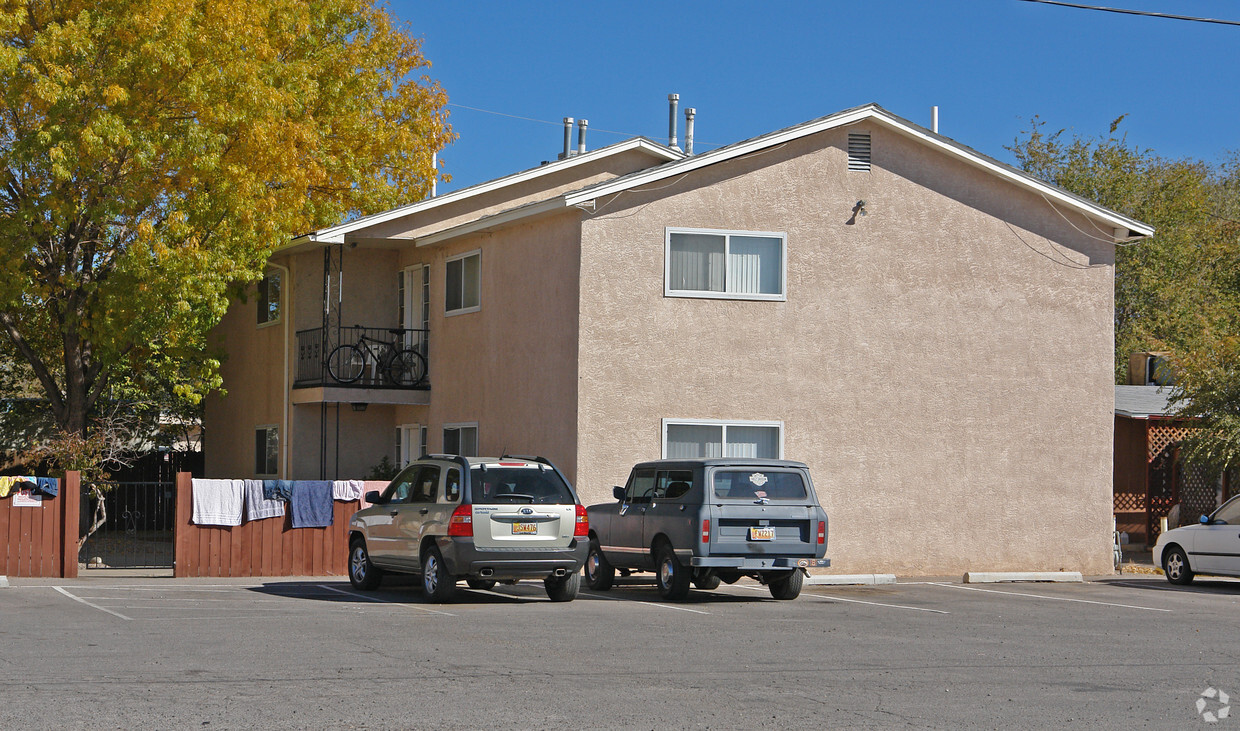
point(560, 124)
point(1135, 12)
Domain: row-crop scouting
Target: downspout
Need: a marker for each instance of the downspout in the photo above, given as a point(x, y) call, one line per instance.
point(286, 314)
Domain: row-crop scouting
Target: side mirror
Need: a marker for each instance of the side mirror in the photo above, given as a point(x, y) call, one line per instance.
point(617, 492)
point(1205, 520)
point(373, 497)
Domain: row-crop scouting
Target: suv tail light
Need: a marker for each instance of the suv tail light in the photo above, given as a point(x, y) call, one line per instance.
point(706, 531)
point(461, 523)
point(822, 532)
point(582, 527)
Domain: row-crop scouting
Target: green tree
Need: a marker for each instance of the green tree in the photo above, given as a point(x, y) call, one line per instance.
point(1178, 291)
point(153, 152)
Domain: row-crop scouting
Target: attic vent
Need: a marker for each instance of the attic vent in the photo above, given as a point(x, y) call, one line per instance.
point(859, 151)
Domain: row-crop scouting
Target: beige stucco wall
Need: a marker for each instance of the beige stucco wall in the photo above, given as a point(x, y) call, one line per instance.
point(941, 365)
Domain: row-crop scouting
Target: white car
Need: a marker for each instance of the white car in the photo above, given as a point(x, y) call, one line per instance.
point(1210, 547)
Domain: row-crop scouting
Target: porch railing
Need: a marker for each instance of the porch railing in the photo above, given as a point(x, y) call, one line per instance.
point(377, 348)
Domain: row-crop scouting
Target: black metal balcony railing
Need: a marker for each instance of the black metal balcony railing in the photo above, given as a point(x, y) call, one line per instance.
point(362, 357)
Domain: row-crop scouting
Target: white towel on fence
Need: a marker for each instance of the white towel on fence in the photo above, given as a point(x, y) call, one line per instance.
point(258, 507)
point(217, 502)
point(347, 490)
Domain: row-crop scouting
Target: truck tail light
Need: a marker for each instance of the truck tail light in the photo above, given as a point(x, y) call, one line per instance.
point(822, 532)
point(582, 528)
point(461, 523)
point(706, 530)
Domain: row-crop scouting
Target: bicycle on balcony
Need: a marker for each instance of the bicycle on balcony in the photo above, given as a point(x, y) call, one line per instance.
point(394, 362)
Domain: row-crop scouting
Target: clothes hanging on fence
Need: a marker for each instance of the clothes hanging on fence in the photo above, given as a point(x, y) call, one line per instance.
point(217, 502)
point(49, 486)
point(347, 490)
point(8, 484)
point(311, 504)
point(278, 490)
point(257, 506)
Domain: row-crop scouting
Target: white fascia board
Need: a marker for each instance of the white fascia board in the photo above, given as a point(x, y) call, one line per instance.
point(336, 234)
point(877, 114)
point(499, 219)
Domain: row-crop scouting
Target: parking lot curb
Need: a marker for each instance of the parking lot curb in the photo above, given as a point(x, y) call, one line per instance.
point(850, 579)
point(991, 577)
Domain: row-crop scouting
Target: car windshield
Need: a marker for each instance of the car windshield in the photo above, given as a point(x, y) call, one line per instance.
point(751, 484)
point(518, 484)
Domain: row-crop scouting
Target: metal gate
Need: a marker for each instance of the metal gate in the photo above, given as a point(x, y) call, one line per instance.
point(136, 525)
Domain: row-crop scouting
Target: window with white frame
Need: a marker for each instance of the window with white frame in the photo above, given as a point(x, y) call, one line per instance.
point(463, 283)
point(269, 298)
point(461, 439)
point(725, 264)
point(410, 443)
point(691, 438)
point(266, 450)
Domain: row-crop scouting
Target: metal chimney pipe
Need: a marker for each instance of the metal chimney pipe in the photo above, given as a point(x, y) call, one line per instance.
point(581, 135)
point(690, 112)
point(673, 100)
point(934, 119)
point(434, 171)
point(568, 137)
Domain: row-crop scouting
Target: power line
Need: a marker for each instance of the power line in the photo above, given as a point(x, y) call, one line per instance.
point(559, 124)
point(1135, 12)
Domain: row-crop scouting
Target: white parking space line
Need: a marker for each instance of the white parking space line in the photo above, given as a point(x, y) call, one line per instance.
point(89, 604)
point(649, 604)
point(1051, 598)
point(383, 601)
point(834, 598)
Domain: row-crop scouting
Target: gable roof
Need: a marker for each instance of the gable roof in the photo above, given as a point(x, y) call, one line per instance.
point(336, 234)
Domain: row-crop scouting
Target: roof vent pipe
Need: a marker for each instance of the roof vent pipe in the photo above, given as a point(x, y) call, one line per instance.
point(689, 114)
point(673, 100)
point(934, 119)
point(581, 135)
point(568, 137)
point(434, 171)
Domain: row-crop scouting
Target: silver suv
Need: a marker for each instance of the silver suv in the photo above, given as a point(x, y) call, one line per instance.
point(481, 519)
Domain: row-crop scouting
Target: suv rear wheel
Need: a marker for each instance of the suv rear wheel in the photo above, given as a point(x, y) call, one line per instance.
point(363, 574)
point(564, 588)
point(670, 574)
point(436, 583)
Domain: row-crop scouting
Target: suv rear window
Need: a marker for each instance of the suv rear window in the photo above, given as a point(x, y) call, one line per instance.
point(510, 484)
point(757, 484)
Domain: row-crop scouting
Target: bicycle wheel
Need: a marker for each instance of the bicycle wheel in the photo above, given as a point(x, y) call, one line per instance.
point(407, 368)
point(346, 363)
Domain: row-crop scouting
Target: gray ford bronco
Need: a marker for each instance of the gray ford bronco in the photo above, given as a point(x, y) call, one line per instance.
point(710, 520)
point(481, 519)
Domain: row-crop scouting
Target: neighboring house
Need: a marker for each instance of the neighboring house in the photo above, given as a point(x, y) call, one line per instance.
point(929, 329)
point(1150, 477)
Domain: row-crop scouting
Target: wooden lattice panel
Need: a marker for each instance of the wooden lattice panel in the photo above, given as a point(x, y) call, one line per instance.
point(1198, 493)
point(1161, 436)
point(1127, 502)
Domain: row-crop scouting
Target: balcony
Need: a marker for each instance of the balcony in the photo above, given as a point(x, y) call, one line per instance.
point(361, 365)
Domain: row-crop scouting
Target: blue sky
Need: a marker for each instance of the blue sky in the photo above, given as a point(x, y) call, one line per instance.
point(749, 68)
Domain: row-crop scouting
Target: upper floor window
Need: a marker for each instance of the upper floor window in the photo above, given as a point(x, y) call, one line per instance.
point(463, 286)
point(461, 439)
point(725, 264)
point(269, 298)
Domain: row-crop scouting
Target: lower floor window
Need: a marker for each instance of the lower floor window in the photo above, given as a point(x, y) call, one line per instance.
point(266, 450)
point(461, 439)
point(410, 443)
point(689, 439)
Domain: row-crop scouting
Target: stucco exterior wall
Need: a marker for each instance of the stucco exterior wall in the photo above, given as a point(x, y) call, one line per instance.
point(512, 365)
point(943, 364)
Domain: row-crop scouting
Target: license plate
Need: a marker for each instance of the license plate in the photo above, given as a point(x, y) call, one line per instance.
point(524, 529)
point(761, 534)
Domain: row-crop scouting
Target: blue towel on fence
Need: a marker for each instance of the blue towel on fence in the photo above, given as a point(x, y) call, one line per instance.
point(311, 504)
point(278, 490)
point(49, 486)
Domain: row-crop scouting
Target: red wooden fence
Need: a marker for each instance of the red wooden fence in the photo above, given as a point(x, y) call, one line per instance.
point(267, 547)
point(35, 541)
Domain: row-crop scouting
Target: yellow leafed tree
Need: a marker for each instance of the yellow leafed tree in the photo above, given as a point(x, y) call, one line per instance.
point(152, 152)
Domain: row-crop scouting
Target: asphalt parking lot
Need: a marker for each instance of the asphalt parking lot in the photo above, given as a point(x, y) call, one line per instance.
point(313, 653)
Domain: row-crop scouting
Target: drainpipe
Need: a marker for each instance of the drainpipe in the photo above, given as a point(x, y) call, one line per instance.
point(286, 314)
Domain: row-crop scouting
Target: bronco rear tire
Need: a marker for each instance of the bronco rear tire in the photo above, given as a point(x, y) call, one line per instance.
point(363, 574)
point(671, 575)
point(788, 587)
point(600, 574)
point(563, 589)
point(706, 579)
point(480, 584)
